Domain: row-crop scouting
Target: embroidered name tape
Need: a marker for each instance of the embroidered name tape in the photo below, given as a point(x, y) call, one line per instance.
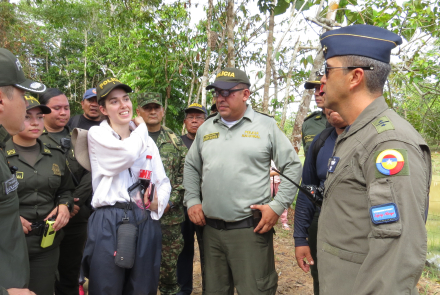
point(385, 213)
point(211, 136)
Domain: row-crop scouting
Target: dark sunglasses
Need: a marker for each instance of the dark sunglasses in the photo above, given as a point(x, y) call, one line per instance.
point(327, 69)
point(224, 93)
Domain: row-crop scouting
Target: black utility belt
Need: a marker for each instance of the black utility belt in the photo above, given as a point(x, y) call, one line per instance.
point(37, 229)
point(220, 224)
point(126, 206)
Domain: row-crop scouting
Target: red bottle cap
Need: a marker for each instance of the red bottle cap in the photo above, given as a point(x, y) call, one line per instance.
point(149, 157)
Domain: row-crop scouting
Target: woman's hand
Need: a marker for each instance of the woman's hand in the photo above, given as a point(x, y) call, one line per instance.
point(154, 204)
point(62, 218)
point(138, 120)
point(26, 225)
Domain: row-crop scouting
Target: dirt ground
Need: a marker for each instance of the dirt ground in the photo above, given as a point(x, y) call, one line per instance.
point(292, 280)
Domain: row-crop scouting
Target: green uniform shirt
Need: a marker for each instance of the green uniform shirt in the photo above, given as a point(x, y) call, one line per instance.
point(41, 184)
point(355, 254)
point(81, 177)
point(173, 151)
point(231, 167)
point(312, 126)
point(14, 265)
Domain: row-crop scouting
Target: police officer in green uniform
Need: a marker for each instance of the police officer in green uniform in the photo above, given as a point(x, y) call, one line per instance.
point(44, 190)
point(229, 164)
point(172, 151)
point(371, 233)
point(316, 121)
point(57, 134)
point(14, 266)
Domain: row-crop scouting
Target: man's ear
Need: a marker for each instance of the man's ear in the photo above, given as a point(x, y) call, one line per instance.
point(2, 106)
point(246, 94)
point(137, 111)
point(357, 78)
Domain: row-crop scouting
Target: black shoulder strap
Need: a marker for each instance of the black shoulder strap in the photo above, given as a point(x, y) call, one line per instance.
point(319, 143)
point(75, 122)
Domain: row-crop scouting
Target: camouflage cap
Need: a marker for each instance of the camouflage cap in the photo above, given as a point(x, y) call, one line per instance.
point(148, 97)
point(34, 103)
point(229, 78)
point(313, 84)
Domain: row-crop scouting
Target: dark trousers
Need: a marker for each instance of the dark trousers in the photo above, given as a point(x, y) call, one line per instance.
point(71, 251)
point(186, 258)
point(313, 234)
point(105, 277)
point(43, 264)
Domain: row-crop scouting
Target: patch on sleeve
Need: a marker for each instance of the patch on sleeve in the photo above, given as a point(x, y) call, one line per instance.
point(391, 162)
point(211, 136)
point(385, 213)
point(10, 185)
point(382, 124)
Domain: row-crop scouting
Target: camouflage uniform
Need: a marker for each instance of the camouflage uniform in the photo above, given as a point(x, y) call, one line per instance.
point(172, 152)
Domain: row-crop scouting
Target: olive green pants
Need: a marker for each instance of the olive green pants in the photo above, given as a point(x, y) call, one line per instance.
point(43, 266)
point(239, 258)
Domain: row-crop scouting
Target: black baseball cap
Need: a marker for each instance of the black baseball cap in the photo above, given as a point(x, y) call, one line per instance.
point(196, 107)
point(229, 78)
point(11, 74)
point(107, 85)
point(34, 103)
point(314, 83)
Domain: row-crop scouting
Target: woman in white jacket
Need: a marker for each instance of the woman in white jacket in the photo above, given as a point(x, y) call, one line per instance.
point(117, 149)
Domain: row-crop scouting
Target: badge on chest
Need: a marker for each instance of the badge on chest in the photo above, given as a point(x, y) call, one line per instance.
point(333, 162)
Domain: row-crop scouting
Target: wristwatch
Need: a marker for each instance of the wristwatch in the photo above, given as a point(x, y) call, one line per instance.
point(68, 206)
point(171, 204)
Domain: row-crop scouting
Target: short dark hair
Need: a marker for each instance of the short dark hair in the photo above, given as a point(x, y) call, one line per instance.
point(101, 103)
point(48, 94)
point(375, 79)
point(7, 90)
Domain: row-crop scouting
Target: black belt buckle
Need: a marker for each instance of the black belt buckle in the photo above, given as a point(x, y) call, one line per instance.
point(220, 224)
point(37, 228)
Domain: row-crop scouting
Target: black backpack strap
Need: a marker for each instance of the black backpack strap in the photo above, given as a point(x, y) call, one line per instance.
point(319, 143)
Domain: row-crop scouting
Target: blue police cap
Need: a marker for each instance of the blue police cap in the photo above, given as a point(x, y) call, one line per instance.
point(89, 93)
point(362, 40)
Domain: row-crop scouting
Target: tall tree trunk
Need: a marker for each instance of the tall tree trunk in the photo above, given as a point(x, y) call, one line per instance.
point(85, 60)
point(275, 88)
point(168, 95)
point(289, 79)
point(208, 55)
point(268, 62)
point(307, 94)
point(230, 26)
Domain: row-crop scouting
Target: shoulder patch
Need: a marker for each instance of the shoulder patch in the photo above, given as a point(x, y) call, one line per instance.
point(264, 114)
point(391, 162)
point(382, 124)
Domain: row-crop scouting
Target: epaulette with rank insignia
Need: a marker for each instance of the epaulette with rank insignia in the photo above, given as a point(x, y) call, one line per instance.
point(264, 114)
point(313, 115)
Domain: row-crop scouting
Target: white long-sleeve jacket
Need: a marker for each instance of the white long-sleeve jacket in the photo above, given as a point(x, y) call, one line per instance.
point(110, 159)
